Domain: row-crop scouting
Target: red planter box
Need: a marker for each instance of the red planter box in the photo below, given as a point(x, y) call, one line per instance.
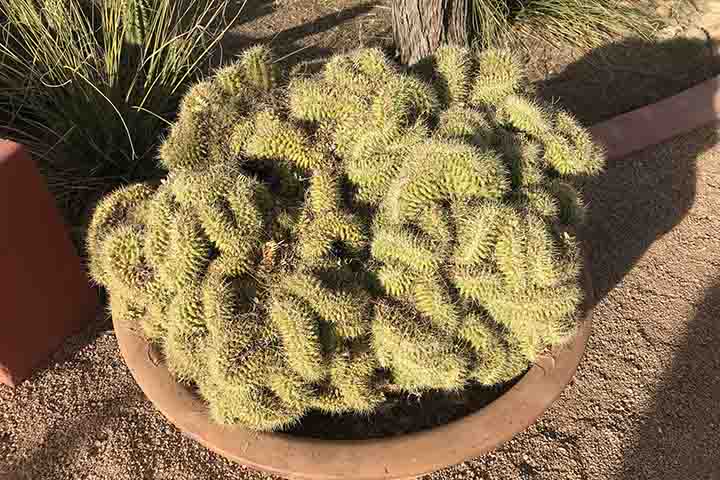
point(45, 294)
point(653, 124)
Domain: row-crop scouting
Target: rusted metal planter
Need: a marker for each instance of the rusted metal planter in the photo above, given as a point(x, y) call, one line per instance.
point(399, 457)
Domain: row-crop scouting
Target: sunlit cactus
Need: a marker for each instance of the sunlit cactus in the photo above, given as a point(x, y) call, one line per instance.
point(258, 66)
point(210, 111)
point(468, 233)
point(326, 238)
point(498, 74)
point(453, 75)
point(420, 355)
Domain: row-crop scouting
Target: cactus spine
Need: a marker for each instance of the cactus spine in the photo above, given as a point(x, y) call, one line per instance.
point(136, 16)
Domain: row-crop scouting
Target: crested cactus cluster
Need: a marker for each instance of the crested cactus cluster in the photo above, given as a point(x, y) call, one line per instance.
point(322, 238)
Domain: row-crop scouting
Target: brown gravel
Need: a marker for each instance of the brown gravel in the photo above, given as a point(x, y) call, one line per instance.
point(84, 417)
point(310, 29)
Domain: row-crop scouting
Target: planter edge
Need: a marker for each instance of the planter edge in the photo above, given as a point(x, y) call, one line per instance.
point(401, 457)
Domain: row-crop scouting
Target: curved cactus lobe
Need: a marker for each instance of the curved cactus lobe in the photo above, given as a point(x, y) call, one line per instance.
point(419, 356)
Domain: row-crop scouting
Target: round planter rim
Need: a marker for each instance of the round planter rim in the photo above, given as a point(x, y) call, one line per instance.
point(399, 457)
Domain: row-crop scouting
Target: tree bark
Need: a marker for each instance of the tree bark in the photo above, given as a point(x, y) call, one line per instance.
point(421, 26)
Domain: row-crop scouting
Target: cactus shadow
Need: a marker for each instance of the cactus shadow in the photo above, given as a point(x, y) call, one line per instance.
point(640, 198)
point(636, 201)
point(622, 76)
point(679, 438)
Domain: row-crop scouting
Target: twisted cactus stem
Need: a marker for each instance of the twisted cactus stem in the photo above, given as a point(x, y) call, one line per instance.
point(498, 75)
point(273, 138)
point(347, 312)
point(352, 233)
point(419, 356)
point(121, 207)
point(258, 67)
point(497, 356)
point(453, 69)
point(301, 337)
point(467, 125)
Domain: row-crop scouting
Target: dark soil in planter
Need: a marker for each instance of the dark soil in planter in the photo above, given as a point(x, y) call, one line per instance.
point(401, 414)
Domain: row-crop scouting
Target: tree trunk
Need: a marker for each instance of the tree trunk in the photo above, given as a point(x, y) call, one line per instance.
point(420, 26)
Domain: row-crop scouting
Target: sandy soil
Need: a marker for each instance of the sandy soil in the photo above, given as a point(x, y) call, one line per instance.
point(645, 403)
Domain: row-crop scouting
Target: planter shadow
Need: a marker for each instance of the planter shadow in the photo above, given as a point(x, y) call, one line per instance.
point(636, 202)
point(628, 75)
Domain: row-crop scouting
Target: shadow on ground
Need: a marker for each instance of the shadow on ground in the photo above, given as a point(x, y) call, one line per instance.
point(623, 76)
point(680, 435)
point(251, 10)
point(633, 204)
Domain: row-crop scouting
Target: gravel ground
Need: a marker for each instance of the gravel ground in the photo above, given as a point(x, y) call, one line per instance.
point(645, 403)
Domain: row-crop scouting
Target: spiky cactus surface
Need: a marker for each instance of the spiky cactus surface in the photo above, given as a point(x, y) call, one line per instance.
point(320, 239)
point(136, 17)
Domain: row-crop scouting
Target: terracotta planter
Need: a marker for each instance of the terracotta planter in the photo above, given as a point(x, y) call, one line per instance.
point(46, 295)
point(400, 457)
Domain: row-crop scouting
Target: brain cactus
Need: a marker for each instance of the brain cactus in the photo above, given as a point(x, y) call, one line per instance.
point(352, 229)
